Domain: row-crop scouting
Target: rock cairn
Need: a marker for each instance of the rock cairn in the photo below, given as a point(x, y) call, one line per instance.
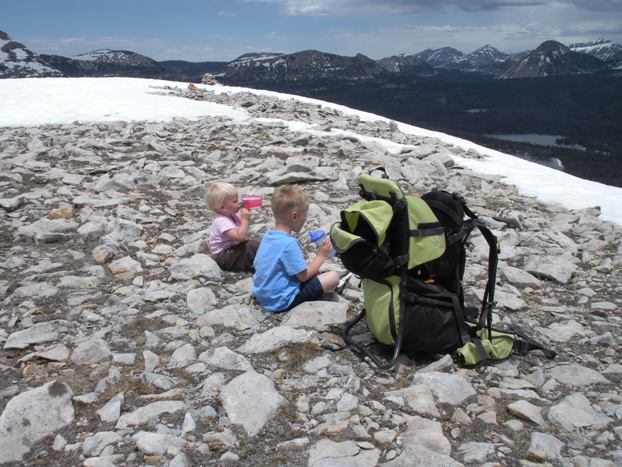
point(125, 344)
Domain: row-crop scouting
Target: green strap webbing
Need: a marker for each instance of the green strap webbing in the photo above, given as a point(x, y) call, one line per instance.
point(433, 229)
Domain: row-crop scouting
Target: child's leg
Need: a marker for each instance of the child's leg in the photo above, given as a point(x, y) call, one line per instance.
point(315, 288)
point(329, 280)
point(239, 257)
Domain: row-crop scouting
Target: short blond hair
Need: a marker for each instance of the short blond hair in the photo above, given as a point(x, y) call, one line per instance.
point(217, 193)
point(287, 198)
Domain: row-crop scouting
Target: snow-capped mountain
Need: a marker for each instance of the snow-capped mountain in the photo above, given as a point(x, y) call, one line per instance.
point(442, 58)
point(407, 64)
point(486, 55)
point(308, 65)
point(603, 49)
point(106, 62)
point(17, 61)
point(553, 58)
point(485, 60)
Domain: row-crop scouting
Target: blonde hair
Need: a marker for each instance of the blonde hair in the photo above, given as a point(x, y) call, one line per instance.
point(217, 193)
point(287, 198)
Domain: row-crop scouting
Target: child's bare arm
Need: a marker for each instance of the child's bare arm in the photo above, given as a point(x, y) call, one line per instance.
point(239, 234)
point(314, 266)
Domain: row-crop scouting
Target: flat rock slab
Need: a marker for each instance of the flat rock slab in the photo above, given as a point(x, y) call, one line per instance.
point(424, 444)
point(327, 453)
point(37, 334)
point(577, 375)
point(232, 316)
point(225, 359)
point(277, 338)
point(251, 400)
point(558, 268)
point(418, 397)
point(150, 413)
point(565, 331)
point(157, 443)
point(36, 290)
point(447, 388)
point(575, 412)
point(199, 265)
point(544, 447)
point(91, 351)
point(318, 315)
point(31, 416)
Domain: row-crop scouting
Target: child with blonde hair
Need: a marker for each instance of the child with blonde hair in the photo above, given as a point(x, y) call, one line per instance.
point(228, 241)
point(282, 278)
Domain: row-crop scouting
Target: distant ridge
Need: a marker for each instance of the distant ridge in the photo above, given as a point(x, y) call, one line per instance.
point(551, 58)
point(17, 61)
point(308, 65)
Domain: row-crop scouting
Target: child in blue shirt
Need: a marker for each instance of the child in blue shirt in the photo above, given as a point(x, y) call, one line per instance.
point(282, 278)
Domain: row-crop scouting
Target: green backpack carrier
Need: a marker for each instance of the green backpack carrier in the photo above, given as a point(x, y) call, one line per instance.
point(410, 254)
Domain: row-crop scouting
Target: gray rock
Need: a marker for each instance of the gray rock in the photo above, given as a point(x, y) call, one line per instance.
point(518, 277)
point(157, 443)
point(327, 453)
point(232, 316)
point(575, 412)
point(277, 338)
point(212, 385)
point(91, 351)
point(527, 411)
point(183, 356)
point(94, 445)
point(445, 363)
point(614, 372)
point(49, 230)
point(447, 388)
point(557, 268)
point(577, 375)
point(126, 268)
point(251, 400)
point(56, 353)
point(565, 331)
point(159, 381)
point(199, 265)
point(36, 290)
point(31, 416)
point(544, 447)
point(317, 315)
point(477, 453)
point(11, 204)
point(226, 359)
point(200, 300)
point(112, 410)
point(149, 413)
point(347, 403)
point(417, 397)
point(37, 334)
point(423, 443)
point(122, 230)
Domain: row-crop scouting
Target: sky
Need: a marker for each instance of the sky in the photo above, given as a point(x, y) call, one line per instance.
point(222, 30)
point(36, 101)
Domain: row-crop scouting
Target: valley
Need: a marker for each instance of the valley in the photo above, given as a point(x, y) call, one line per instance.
point(585, 110)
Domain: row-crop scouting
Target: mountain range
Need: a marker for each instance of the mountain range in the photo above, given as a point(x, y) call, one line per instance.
point(569, 95)
point(551, 58)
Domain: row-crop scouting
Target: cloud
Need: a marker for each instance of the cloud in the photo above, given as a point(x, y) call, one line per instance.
point(599, 5)
point(226, 13)
point(354, 7)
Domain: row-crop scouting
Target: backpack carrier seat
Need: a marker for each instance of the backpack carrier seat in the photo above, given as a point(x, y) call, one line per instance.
point(410, 253)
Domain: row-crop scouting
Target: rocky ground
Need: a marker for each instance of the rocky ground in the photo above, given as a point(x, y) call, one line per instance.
point(124, 343)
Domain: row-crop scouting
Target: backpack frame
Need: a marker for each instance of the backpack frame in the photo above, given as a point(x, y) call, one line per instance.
point(410, 254)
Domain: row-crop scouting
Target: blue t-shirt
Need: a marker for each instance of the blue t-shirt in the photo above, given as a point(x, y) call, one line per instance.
point(278, 260)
